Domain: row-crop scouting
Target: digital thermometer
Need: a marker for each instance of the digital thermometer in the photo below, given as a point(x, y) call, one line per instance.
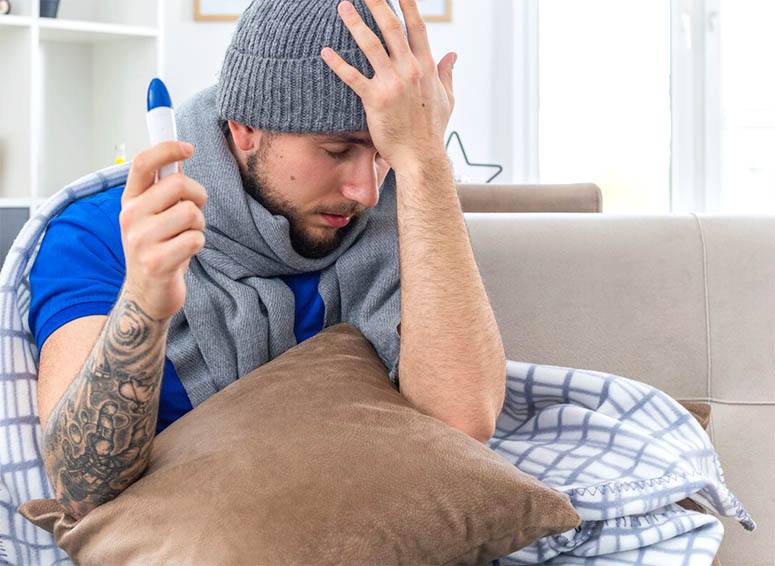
point(161, 121)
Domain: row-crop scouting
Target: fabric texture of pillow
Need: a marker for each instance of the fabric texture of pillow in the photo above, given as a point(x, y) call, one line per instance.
point(314, 458)
point(700, 410)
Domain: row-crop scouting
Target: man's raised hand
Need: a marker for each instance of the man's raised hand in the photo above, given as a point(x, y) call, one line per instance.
point(409, 100)
point(162, 228)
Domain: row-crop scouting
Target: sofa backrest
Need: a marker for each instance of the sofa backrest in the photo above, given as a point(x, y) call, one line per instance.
point(683, 302)
point(581, 197)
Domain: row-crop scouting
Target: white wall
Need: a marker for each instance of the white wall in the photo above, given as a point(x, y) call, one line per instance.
point(470, 35)
point(14, 114)
point(193, 53)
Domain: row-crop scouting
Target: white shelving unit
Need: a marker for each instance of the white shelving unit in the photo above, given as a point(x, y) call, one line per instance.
point(72, 88)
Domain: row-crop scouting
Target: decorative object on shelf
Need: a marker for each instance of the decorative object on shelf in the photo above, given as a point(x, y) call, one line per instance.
point(49, 8)
point(119, 151)
point(219, 10)
point(459, 178)
point(5, 7)
point(436, 10)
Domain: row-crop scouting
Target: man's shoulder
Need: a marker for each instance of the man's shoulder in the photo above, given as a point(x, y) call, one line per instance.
point(91, 221)
point(109, 201)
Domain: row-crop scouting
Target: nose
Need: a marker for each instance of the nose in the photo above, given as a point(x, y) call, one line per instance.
point(362, 186)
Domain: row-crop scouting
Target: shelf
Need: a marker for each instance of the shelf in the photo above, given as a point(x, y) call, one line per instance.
point(93, 97)
point(19, 21)
point(17, 203)
point(74, 31)
point(74, 87)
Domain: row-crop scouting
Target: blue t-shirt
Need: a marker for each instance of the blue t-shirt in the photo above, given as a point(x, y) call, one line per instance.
point(79, 271)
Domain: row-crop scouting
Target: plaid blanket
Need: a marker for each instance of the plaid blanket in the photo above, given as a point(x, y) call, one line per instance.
point(623, 451)
point(22, 476)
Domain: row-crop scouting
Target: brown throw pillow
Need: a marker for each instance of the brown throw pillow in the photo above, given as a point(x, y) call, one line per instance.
point(314, 458)
point(699, 410)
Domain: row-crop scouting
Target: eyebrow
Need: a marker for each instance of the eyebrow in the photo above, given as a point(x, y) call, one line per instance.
point(345, 138)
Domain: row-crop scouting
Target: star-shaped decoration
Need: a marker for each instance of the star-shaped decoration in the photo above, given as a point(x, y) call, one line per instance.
point(465, 170)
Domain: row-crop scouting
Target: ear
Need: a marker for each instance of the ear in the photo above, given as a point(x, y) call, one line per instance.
point(245, 138)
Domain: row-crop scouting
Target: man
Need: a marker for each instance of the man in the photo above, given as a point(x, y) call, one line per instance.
point(165, 301)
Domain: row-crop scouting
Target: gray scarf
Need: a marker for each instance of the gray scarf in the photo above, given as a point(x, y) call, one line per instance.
point(238, 313)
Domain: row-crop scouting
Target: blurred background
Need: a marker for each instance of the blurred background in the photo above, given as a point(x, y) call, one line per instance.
point(668, 105)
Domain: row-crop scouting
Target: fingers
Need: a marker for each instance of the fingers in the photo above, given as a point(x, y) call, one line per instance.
point(417, 31)
point(366, 39)
point(390, 26)
point(142, 172)
point(351, 76)
point(172, 253)
point(161, 242)
point(184, 216)
point(168, 192)
point(446, 65)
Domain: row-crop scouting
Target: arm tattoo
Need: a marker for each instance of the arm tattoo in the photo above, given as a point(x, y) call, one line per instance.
point(98, 438)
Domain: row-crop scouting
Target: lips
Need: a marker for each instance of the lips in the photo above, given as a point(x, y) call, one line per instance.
point(336, 220)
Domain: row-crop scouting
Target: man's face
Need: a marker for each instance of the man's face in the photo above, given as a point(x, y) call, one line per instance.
point(320, 183)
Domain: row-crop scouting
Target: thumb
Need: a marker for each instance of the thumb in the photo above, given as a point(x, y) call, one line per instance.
point(445, 67)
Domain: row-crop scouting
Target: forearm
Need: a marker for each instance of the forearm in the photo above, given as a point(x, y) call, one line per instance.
point(452, 363)
point(98, 437)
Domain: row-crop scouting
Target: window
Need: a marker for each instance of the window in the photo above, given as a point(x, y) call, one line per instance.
point(747, 121)
point(604, 99)
point(668, 105)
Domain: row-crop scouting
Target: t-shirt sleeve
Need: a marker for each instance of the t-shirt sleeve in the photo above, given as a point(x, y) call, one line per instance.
point(78, 270)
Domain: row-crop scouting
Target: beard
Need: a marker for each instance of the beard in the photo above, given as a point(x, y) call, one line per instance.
point(257, 185)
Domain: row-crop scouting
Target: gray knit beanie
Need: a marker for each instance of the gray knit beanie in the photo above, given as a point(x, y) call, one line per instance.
point(273, 77)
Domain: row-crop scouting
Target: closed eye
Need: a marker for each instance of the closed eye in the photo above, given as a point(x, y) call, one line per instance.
point(338, 154)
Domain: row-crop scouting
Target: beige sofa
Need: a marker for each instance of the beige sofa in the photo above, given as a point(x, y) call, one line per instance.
point(683, 302)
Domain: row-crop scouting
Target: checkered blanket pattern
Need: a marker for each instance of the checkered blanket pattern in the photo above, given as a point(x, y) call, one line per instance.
point(22, 476)
point(623, 451)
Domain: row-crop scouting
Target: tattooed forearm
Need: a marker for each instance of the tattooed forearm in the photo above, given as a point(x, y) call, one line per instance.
point(97, 440)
